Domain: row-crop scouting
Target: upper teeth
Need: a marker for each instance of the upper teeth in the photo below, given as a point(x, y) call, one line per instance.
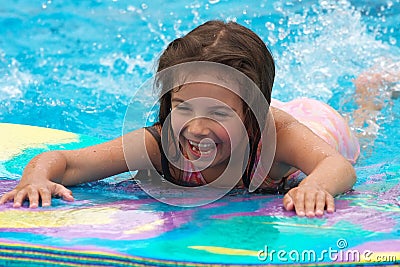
point(201, 145)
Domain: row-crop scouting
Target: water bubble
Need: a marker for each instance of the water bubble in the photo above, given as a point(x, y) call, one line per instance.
point(270, 26)
point(296, 19)
point(131, 8)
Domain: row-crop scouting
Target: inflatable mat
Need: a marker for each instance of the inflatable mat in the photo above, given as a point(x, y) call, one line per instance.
point(115, 223)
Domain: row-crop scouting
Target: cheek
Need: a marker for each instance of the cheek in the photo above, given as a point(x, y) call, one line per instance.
point(177, 123)
point(233, 132)
point(222, 133)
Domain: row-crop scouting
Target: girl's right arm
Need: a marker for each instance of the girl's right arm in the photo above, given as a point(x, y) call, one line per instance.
point(47, 174)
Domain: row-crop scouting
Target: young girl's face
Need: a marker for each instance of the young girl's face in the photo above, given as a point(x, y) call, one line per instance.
point(208, 120)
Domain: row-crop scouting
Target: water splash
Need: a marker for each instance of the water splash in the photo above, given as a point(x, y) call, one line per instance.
point(331, 41)
point(77, 64)
point(13, 81)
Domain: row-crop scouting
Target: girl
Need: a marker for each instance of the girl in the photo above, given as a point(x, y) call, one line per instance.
point(201, 121)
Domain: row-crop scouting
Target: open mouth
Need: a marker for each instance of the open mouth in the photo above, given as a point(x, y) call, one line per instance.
point(202, 149)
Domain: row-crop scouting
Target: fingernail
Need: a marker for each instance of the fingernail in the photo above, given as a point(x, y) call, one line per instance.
point(301, 213)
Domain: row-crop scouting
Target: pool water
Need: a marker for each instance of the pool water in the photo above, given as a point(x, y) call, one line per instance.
point(75, 65)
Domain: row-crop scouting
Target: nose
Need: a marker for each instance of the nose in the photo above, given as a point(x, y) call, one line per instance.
point(198, 127)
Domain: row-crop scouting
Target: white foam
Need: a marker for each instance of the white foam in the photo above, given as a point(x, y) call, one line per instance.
point(13, 81)
point(330, 45)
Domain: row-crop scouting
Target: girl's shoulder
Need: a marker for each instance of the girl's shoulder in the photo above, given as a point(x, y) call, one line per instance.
point(282, 119)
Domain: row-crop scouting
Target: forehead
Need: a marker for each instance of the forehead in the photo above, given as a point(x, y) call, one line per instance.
point(212, 93)
point(213, 75)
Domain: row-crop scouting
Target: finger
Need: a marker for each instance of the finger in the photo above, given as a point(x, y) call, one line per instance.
point(45, 196)
point(19, 198)
point(299, 203)
point(288, 202)
point(63, 192)
point(320, 204)
point(7, 197)
point(33, 197)
point(330, 203)
point(310, 204)
point(67, 195)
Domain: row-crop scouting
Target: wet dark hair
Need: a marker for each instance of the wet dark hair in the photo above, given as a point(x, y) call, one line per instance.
point(230, 44)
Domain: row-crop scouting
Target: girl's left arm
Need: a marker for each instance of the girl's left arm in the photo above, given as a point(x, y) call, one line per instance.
point(328, 172)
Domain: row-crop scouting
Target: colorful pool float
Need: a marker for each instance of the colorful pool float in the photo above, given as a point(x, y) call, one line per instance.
point(115, 223)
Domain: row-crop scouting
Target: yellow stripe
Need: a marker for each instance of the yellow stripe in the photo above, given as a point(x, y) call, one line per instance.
point(145, 227)
point(14, 138)
point(226, 251)
point(14, 218)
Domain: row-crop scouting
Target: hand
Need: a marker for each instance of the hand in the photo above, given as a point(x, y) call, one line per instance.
point(309, 200)
point(43, 190)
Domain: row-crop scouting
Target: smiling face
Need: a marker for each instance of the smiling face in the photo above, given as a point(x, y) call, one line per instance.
point(208, 120)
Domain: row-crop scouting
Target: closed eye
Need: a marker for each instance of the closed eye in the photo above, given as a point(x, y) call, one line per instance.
point(182, 108)
point(220, 114)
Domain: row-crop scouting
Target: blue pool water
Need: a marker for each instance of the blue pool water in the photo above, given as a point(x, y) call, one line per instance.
point(74, 65)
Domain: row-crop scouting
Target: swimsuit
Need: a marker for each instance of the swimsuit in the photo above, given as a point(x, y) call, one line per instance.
point(318, 116)
point(325, 122)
